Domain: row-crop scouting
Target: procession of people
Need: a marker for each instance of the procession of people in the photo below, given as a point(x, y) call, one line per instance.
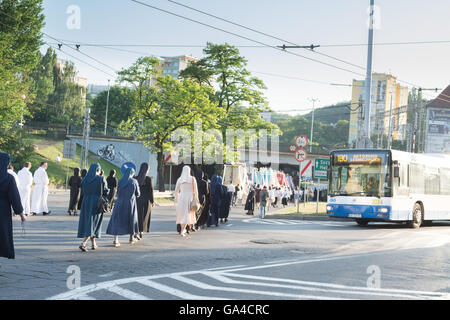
point(199, 202)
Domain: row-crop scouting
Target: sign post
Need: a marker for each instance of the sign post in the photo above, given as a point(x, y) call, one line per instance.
point(300, 155)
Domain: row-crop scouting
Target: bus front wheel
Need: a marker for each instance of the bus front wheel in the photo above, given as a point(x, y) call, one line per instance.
point(362, 222)
point(417, 217)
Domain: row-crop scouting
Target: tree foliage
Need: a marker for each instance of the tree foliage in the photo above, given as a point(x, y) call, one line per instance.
point(20, 39)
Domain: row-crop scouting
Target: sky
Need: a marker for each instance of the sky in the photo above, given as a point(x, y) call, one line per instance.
point(292, 81)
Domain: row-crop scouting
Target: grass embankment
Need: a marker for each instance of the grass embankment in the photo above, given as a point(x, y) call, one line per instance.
point(309, 208)
point(47, 150)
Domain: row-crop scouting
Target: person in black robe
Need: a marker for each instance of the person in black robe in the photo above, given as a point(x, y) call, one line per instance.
point(83, 174)
point(204, 196)
point(146, 201)
point(112, 186)
point(75, 185)
point(225, 206)
point(9, 197)
point(216, 200)
point(250, 203)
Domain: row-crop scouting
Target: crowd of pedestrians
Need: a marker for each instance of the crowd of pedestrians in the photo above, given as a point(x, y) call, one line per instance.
point(200, 202)
point(129, 201)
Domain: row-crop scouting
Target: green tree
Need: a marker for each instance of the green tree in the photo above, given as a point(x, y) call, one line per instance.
point(236, 91)
point(66, 103)
point(20, 39)
point(120, 106)
point(43, 85)
point(163, 105)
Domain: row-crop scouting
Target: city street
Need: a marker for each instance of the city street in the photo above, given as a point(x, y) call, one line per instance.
point(245, 258)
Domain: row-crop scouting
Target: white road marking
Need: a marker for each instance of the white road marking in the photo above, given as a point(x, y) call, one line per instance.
point(127, 294)
point(109, 274)
point(224, 268)
point(312, 286)
point(206, 286)
point(175, 292)
point(224, 274)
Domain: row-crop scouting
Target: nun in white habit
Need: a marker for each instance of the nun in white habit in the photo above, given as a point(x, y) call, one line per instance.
point(40, 192)
point(185, 191)
point(26, 181)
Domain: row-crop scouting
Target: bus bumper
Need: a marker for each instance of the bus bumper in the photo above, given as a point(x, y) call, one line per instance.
point(359, 211)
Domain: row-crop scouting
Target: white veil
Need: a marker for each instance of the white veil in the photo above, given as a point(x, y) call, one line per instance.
point(185, 175)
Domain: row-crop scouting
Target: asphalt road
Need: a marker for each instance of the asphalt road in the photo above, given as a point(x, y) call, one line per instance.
point(245, 258)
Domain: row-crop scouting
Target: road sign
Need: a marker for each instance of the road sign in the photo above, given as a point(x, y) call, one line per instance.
point(300, 155)
point(306, 169)
point(293, 148)
point(301, 141)
point(127, 165)
point(70, 148)
point(321, 167)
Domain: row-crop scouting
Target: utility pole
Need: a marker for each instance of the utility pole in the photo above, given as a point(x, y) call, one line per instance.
point(365, 142)
point(390, 123)
point(312, 125)
point(106, 115)
point(85, 146)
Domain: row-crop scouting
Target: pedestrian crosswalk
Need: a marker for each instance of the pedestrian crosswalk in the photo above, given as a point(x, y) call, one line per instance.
point(236, 282)
point(296, 222)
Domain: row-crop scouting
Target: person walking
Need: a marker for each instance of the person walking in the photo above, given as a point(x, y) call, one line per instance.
point(16, 177)
point(186, 191)
point(226, 202)
point(263, 203)
point(124, 218)
point(250, 202)
point(146, 201)
point(216, 201)
point(26, 181)
point(9, 198)
point(75, 185)
point(40, 192)
point(91, 215)
point(204, 196)
point(112, 186)
point(83, 174)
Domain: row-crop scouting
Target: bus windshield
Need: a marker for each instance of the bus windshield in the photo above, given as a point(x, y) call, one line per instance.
point(360, 173)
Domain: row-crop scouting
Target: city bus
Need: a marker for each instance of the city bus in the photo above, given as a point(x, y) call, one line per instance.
point(389, 185)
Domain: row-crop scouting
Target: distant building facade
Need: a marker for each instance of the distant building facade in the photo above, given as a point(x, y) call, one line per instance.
point(388, 98)
point(172, 66)
point(80, 81)
point(437, 125)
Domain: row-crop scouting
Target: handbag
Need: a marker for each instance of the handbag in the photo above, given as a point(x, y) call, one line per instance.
point(194, 205)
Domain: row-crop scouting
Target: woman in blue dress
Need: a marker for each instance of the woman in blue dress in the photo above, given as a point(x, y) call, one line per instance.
point(91, 217)
point(124, 218)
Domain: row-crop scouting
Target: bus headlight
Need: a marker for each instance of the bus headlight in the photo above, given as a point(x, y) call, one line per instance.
point(383, 210)
point(329, 208)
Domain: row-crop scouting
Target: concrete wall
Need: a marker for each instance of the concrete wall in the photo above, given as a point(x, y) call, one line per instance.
point(123, 151)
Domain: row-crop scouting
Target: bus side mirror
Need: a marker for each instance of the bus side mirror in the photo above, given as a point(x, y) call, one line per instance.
point(396, 172)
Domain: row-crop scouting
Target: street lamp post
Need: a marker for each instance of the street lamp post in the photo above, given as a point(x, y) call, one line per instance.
point(106, 115)
point(312, 125)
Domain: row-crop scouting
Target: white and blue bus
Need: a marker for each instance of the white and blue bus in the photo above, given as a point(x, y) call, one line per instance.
point(389, 185)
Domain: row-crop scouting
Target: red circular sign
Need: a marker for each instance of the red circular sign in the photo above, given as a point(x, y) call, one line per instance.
point(300, 155)
point(301, 141)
